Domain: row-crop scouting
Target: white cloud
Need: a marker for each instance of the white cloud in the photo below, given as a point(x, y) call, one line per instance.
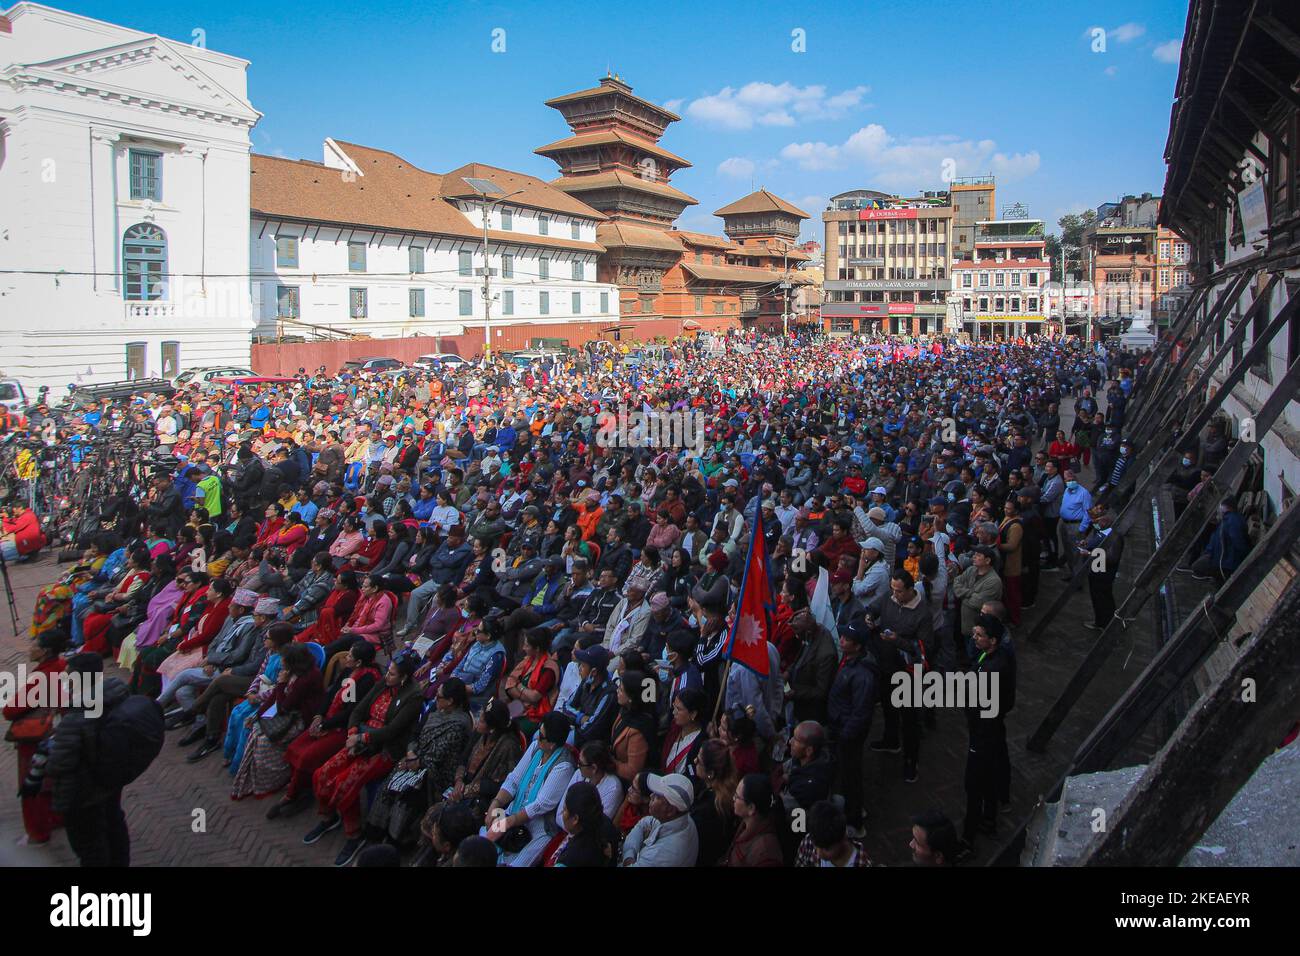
point(910, 163)
point(768, 104)
point(1127, 32)
point(1111, 70)
point(1124, 33)
point(673, 106)
point(1168, 52)
point(813, 205)
point(736, 166)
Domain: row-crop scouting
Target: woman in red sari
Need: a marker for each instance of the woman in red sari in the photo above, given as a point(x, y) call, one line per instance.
point(336, 610)
point(95, 626)
point(326, 734)
point(272, 525)
point(29, 726)
point(290, 536)
point(378, 732)
point(531, 687)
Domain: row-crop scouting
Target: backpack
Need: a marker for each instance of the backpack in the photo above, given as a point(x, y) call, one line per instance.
point(129, 737)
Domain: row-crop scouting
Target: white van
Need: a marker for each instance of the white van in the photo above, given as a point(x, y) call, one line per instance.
point(12, 395)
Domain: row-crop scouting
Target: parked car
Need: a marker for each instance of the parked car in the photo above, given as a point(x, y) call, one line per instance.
point(201, 376)
point(440, 360)
point(529, 356)
point(12, 395)
point(371, 364)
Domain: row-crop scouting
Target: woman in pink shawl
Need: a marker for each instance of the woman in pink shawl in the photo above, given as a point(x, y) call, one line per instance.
point(158, 615)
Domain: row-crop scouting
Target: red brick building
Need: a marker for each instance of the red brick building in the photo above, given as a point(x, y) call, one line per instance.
point(614, 163)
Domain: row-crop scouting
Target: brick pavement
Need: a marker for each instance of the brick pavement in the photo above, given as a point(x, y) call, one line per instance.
point(161, 805)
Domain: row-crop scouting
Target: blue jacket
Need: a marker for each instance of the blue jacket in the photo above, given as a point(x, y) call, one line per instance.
point(1228, 544)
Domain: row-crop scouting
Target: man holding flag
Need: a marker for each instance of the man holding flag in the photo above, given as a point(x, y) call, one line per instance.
point(755, 686)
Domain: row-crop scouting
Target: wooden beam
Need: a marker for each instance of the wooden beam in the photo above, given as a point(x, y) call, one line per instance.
point(1272, 82)
point(1171, 550)
point(1175, 413)
point(1244, 108)
point(1278, 32)
point(1169, 390)
point(1218, 747)
point(1178, 659)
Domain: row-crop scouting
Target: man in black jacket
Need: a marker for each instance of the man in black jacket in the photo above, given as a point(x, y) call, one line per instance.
point(92, 814)
point(988, 763)
point(849, 707)
point(164, 510)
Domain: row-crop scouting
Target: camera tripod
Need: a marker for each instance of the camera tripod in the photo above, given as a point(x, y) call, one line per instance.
point(9, 592)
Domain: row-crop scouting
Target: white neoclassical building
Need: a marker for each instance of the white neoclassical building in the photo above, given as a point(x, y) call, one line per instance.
point(364, 243)
point(124, 188)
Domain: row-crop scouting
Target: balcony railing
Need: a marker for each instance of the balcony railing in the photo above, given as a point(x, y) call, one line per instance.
point(151, 310)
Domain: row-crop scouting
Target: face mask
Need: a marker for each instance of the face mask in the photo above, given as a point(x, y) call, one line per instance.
point(464, 612)
point(1186, 462)
point(1072, 485)
point(692, 621)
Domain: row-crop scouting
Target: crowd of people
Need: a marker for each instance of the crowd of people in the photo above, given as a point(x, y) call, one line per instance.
point(442, 611)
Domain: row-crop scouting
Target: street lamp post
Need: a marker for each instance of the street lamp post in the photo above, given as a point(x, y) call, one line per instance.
point(484, 187)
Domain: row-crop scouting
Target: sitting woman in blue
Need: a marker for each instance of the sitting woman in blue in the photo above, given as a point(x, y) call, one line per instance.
point(278, 636)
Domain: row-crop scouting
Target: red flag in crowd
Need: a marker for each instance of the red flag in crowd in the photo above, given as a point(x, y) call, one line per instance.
point(752, 627)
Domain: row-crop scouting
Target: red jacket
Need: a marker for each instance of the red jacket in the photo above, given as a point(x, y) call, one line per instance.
point(26, 529)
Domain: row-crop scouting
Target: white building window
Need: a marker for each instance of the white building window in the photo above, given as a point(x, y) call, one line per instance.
point(416, 297)
point(543, 225)
point(577, 269)
point(508, 302)
point(146, 174)
point(1015, 280)
point(357, 304)
point(604, 302)
point(286, 302)
point(466, 263)
point(507, 219)
point(577, 303)
point(171, 359)
point(466, 302)
point(416, 259)
point(576, 229)
point(543, 267)
point(286, 252)
point(356, 257)
point(965, 280)
point(507, 266)
point(543, 303)
point(144, 262)
point(984, 280)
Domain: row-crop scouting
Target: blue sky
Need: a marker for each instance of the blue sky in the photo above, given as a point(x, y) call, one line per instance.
point(888, 95)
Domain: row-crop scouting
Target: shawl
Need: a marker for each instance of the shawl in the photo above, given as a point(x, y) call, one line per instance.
point(158, 616)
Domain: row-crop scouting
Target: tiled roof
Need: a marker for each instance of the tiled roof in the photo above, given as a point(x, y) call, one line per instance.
point(391, 193)
point(761, 201)
point(604, 137)
point(704, 239)
point(618, 177)
point(614, 235)
point(535, 194)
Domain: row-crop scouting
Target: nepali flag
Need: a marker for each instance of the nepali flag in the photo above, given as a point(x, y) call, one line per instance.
point(752, 626)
